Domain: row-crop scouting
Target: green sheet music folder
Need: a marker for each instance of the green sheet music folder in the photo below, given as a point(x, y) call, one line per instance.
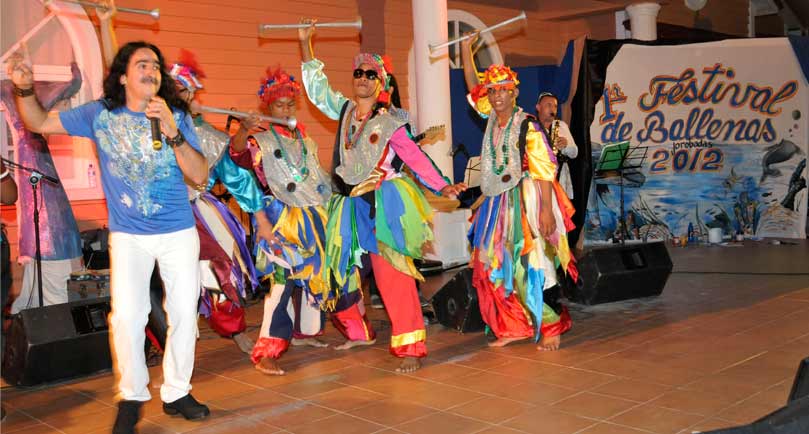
point(612, 157)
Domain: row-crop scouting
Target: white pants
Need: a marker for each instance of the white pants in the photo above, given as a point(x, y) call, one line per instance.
point(308, 317)
point(132, 259)
point(55, 275)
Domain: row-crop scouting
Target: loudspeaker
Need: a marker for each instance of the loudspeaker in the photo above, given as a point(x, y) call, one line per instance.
point(800, 387)
point(456, 304)
point(622, 272)
point(429, 267)
point(57, 342)
point(792, 419)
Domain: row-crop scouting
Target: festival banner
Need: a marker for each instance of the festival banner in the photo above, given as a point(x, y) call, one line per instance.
point(717, 138)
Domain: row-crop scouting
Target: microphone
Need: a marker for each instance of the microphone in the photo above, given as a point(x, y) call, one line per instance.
point(36, 176)
point(460, 149)
point(157, 144)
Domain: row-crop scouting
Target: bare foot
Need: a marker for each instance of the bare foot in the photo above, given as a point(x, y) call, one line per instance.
point(309, 342)
point(351, 344)
point(502, 342)
point(269, 366)
point(549, 343)
point(409, 364)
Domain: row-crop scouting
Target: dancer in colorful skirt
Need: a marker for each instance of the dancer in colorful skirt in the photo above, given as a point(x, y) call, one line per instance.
point(519, 228)
point(376, 211)
point(291, 229)
point(226, 266)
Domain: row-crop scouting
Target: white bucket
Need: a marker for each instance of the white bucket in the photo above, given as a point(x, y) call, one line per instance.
point(715, 235)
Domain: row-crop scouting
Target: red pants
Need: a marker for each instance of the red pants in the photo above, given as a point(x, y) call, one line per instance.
point(350, 319)
point(505, 316)
point(399, 293)
point(401, 298)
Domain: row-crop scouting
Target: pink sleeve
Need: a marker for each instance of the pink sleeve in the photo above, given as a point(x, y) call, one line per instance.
point(420, 164)
point(244, 158)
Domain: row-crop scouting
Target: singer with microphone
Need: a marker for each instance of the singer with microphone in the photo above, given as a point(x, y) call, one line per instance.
point(150, 217)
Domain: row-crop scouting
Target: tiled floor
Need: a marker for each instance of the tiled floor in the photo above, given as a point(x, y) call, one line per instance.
point(715, 350)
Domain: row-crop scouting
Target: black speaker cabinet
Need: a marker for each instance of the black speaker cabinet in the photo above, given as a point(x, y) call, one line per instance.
point(622, 272)
point(456, 304)
point(791, 419)
point(57, 342)
point(800, 387)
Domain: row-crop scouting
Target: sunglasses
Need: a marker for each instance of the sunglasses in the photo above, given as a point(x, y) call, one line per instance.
point(370, 74)
point(499, 89)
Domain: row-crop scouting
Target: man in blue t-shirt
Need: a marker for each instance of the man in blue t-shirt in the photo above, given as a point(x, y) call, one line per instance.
point(149, 215)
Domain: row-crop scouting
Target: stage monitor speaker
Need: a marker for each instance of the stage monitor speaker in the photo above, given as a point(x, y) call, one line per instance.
point(428, 267)
point(57, 342)
point(791, 419)
point(800, 387)
point(621, 272)
point(456, 304)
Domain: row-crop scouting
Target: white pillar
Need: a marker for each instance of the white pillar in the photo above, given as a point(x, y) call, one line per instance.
point(432, 78)
point(643, 19)
point(433, 108)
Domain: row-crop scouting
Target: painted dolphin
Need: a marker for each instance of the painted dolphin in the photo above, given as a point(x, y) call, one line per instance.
point(777, 153)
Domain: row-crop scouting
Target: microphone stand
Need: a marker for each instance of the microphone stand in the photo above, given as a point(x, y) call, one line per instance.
point(34, 178)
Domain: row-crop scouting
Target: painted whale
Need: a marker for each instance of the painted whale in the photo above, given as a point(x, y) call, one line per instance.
point(777, 153)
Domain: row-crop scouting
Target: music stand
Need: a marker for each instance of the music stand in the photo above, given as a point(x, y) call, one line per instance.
point(617, 159)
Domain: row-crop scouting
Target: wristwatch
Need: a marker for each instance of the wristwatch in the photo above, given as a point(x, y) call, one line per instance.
point(176, 140)
point(22, 93)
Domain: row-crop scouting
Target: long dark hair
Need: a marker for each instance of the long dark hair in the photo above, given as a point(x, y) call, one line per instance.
point(115, 92)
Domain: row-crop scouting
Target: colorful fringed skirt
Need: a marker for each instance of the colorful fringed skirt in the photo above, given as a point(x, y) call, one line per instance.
point(512, 263)
point(223, 242)
point(301, 250)
point(393, 221)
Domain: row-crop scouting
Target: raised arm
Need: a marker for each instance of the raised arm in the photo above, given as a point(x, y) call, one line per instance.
point(109, 42)
point(33, 115)
point(470, 71)
point(318, 90)
point(305, 36)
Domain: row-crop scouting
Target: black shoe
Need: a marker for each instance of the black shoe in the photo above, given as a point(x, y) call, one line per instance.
point(128, 417)
point(188, 407)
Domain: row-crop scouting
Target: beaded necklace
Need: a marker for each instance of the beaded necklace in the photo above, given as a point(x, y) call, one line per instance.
point(349, 140)
point(299, 171)
point(503, 147)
